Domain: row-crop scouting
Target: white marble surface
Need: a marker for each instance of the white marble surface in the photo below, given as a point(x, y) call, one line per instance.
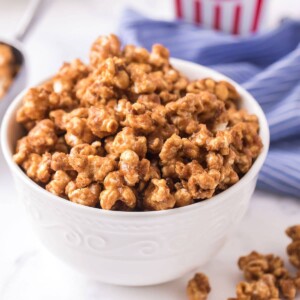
point(27, 271)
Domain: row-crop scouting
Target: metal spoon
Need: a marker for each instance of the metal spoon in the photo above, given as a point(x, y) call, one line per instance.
point(19, 53)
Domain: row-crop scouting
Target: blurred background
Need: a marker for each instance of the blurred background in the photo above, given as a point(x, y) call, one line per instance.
point(65, 29)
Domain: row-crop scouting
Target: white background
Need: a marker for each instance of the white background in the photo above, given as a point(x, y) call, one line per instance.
point(65, 31)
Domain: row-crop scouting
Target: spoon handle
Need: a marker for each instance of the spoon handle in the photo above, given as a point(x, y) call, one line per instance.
point(27, 19)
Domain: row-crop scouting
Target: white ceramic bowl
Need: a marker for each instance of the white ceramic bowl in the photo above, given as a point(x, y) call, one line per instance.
point(135, 248)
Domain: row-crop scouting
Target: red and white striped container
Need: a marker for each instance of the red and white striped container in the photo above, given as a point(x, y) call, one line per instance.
point(231, 16)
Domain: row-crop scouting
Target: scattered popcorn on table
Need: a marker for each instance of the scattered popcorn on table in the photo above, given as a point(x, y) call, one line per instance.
point(255, 265)
point(198, 287)
point(266, 276)
point(293, 248)
point(262, 289)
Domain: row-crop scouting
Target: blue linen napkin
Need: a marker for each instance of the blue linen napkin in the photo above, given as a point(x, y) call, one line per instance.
point(267, 65)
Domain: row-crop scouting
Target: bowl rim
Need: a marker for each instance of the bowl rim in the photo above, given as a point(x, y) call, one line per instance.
point(255, 168)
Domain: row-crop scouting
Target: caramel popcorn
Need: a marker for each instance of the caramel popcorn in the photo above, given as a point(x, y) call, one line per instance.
point(293, 249)
point(255, 265)
point(297, 280)
point(129, 132)
point(262, 289)
point(58, 183)
point(39, 140)
point(182, 196)
point(37, 167)
point(102, 121)
point(88, 196)
point(103, 48)
point(133, 169)
point(8, 68)
point(288, 288)
point(116, 194)
point(223, 90)
point(293, 232)
point(198, 287)
point(158, 196)
point(90, 168)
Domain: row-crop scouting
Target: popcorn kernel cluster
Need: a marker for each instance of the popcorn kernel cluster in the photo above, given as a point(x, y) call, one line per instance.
point(129, 132)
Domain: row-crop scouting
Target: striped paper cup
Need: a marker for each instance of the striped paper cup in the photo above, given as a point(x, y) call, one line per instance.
point(231, 16)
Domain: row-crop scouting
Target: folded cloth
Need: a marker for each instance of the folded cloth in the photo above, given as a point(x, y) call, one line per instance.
point(267, 65)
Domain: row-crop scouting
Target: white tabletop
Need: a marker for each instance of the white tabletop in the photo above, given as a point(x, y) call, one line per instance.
point(27, 271)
